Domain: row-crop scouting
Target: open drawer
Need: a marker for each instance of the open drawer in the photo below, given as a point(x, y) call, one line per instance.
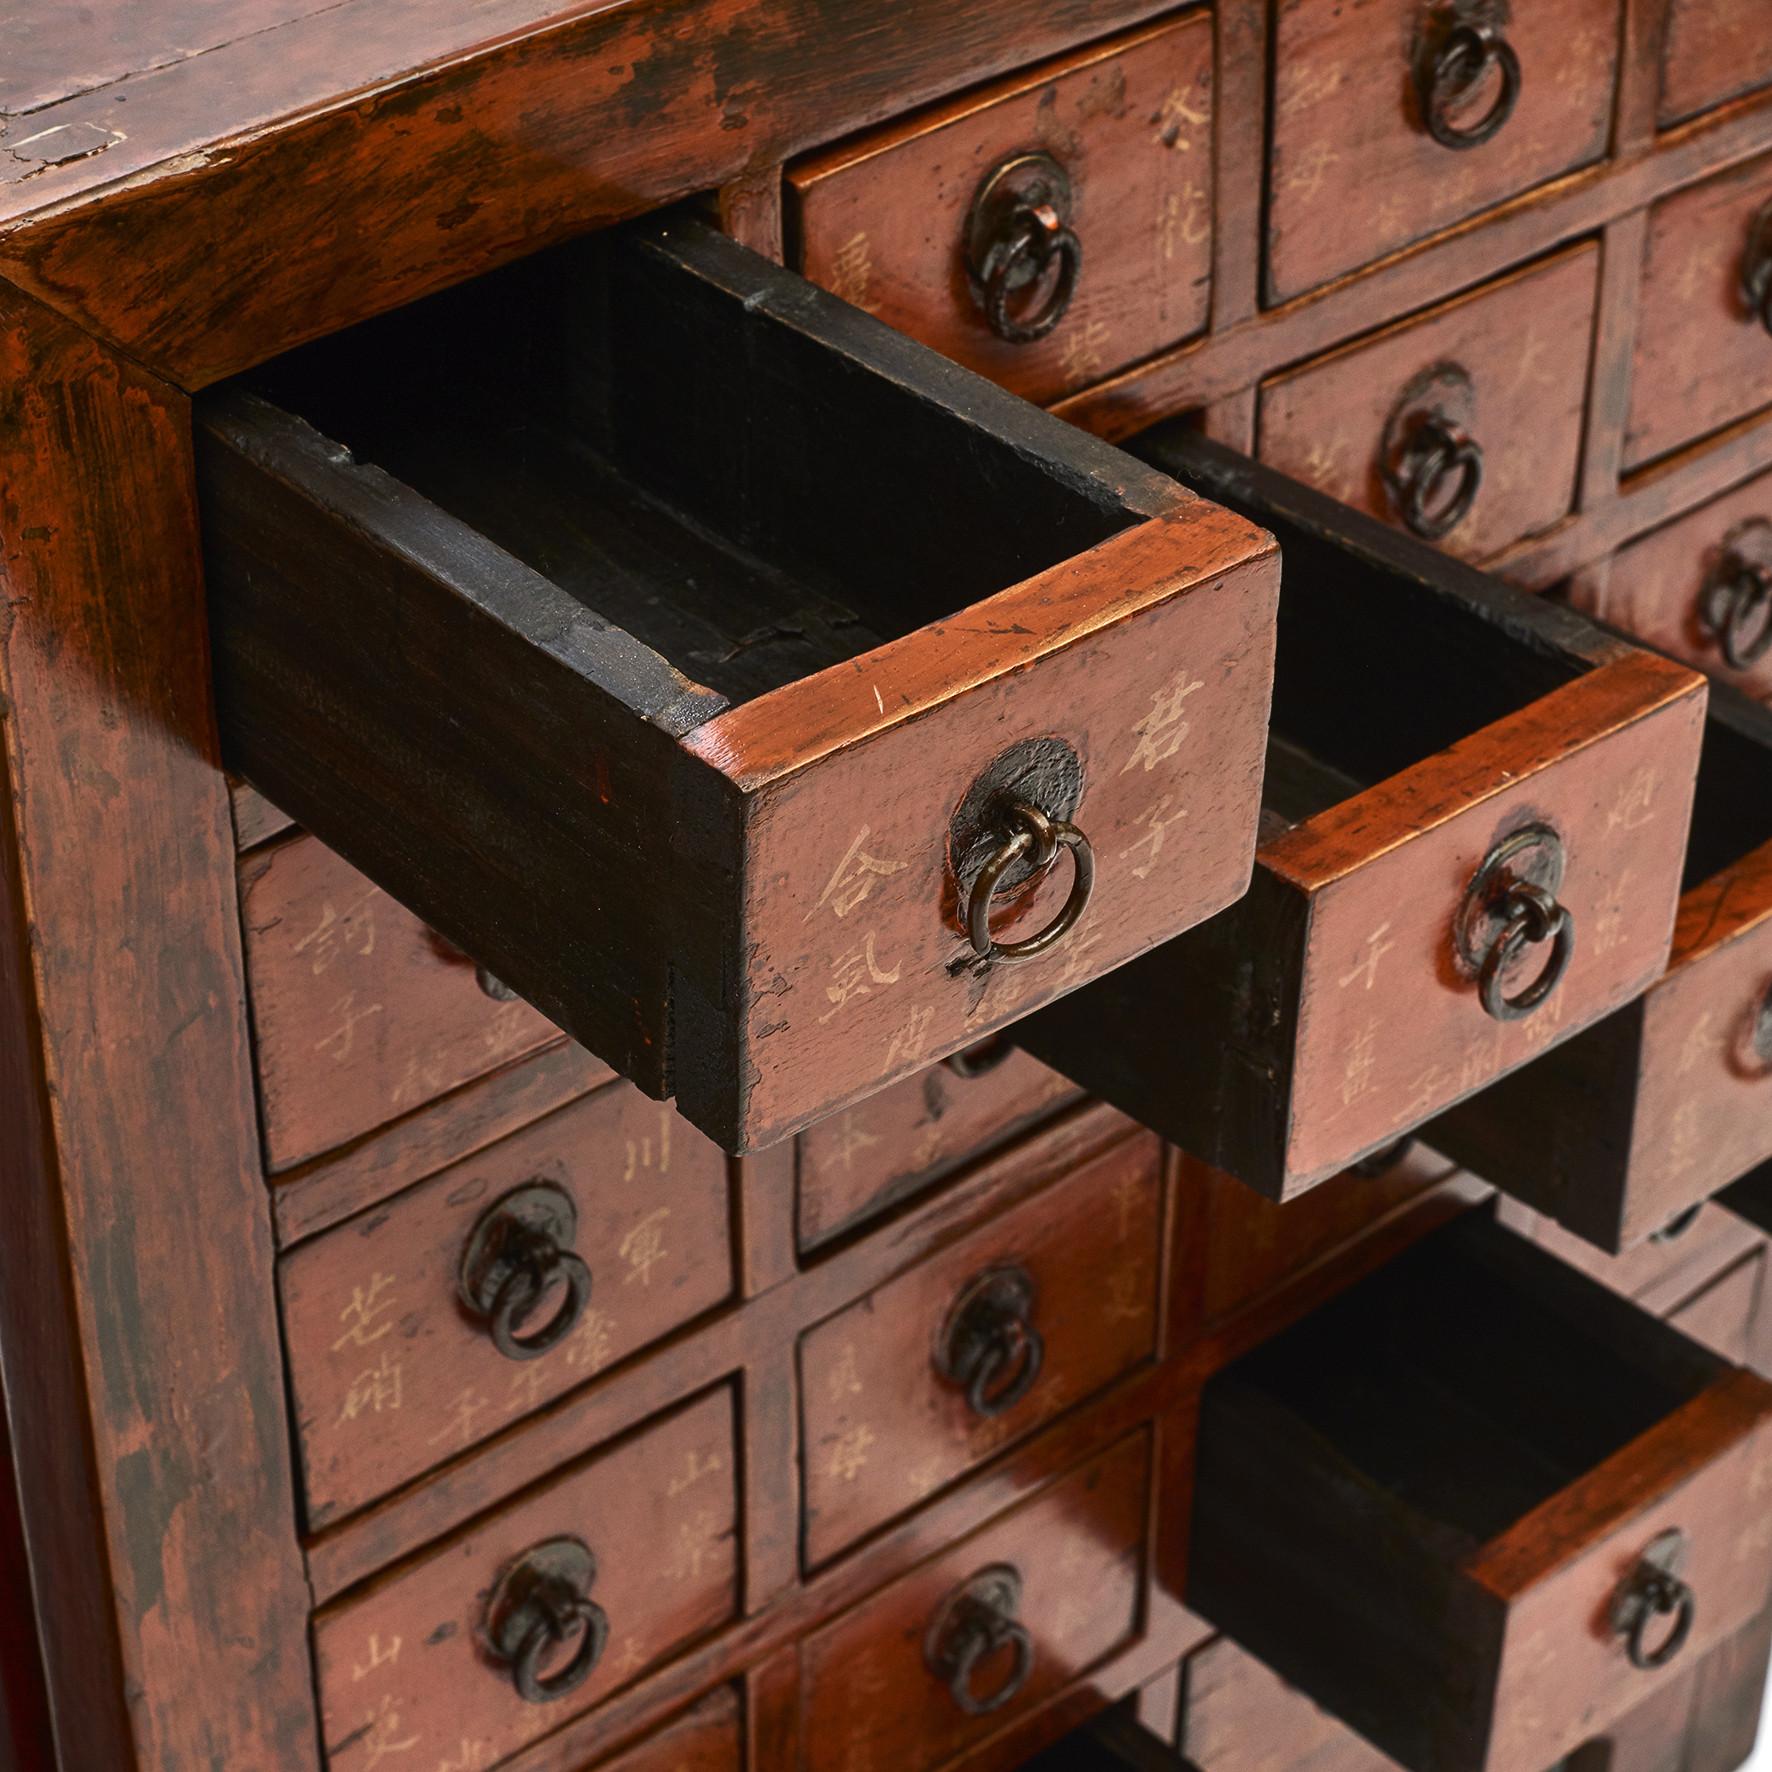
point(1473, 825)
point(1635, 1121)
point(775, 705)
point(1480, 1506)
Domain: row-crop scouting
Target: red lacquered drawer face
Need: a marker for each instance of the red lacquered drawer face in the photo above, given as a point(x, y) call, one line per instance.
point(1055, 1583)
point(707, 1738)
point(932, 1372)
point(603, 1227)
point(863, 1161)
point(631, 1553)
point(1475, 407)
point(361, 1013)
point(1714, 50)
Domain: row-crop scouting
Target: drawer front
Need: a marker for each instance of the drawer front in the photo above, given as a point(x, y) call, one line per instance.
point(1689, 589)
point(1357, 171)
point(1562, 1673)
point(706, 1738)
point(1714, 50)
point(421, 1658)
point(1488, 389)
point(1723, 1315)
point(428, 1323)
point(362, 1013)
point(936, 1370)
point(1054, 1584)
point(931, 224)
point(863, 1161)
point(1703, 355)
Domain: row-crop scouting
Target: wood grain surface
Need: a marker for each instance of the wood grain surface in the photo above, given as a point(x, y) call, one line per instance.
point(1715, 50)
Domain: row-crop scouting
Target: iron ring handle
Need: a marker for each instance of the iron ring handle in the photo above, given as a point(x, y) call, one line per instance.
point(972, 1062)
point(561, 1616)
point(989, 1634)
point(1438, 450)
point(1662, 1593)
point(1534, 916)
point(1039, 838)
point(1018, 1348)
point(524, 1287)
point(1756, 268)
point(1455, 66)
point(1039, 237)
point(1735, 594)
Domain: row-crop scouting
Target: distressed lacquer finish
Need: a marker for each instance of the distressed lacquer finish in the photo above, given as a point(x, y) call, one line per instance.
point(1702, 357)
point(860, 1163)
point(406, 1662)
point(391, 1374)
point(1156, 674)
point(1713, 50)
point(1354, 172)
point(363, 1014)
point(883, 1429)
point(1523, 343)
point(706, 1738)
point(143, 1375)
point(883, 221)
point(1079, 1549)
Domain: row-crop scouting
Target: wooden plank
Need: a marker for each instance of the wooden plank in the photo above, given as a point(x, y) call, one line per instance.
point(136, 1307)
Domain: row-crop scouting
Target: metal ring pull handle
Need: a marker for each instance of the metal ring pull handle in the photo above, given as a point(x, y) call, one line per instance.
point(972, 1062)
point(1038, 839)
point(1019, 242)
point(541, 1604)
point(975, 1622)
point(1437, 476)
point(1756, 268)
point(1654, 1590)
point(1452, 65)
point(1735, 609)
point(989, 1347)
point(1533, 916)
point(517, 1255)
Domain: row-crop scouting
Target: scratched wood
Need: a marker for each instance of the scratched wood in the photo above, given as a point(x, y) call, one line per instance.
point(1655, 587)
point(882, 1429)
point(1079, 1550)
point(1702, 358)
point(883, 220)
point(1504, 1520)
point(865, 1160)
point(362, 1013)
point(405, 1661)
point(790, 940)
point(1523, 342)
point(1714, 50)
point(1353, 171)
point(390, 1374)
point(1328, 1012)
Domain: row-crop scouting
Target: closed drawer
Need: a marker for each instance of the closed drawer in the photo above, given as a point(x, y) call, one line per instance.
point(1397, 1509)
point(529, 1616)
point(1649, 1113)
point(434, 1320)
point(706, 1738)
point(361, 1013)
point(1703, 353)
point(1045, 231)
point(1444, 747)
point(1463, 425)
point(986, 1631)
point(615, 658)
point(1701, 588)
point(934, 1371)
point(1714, 50)
point(1722, 1315)
point(1394, 118)
point(868, 1158)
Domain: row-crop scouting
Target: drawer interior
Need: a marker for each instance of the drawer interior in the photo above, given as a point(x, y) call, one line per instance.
point(745, 501)
point(1731, 810)
point(1445, 1381)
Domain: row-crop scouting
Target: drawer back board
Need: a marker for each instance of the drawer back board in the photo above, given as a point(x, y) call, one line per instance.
point(686, 648)
point(1425, 716)
point(1646, 1114)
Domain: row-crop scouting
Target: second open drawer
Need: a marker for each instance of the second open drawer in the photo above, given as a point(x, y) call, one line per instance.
point(750, 689)
point(1474, 823)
